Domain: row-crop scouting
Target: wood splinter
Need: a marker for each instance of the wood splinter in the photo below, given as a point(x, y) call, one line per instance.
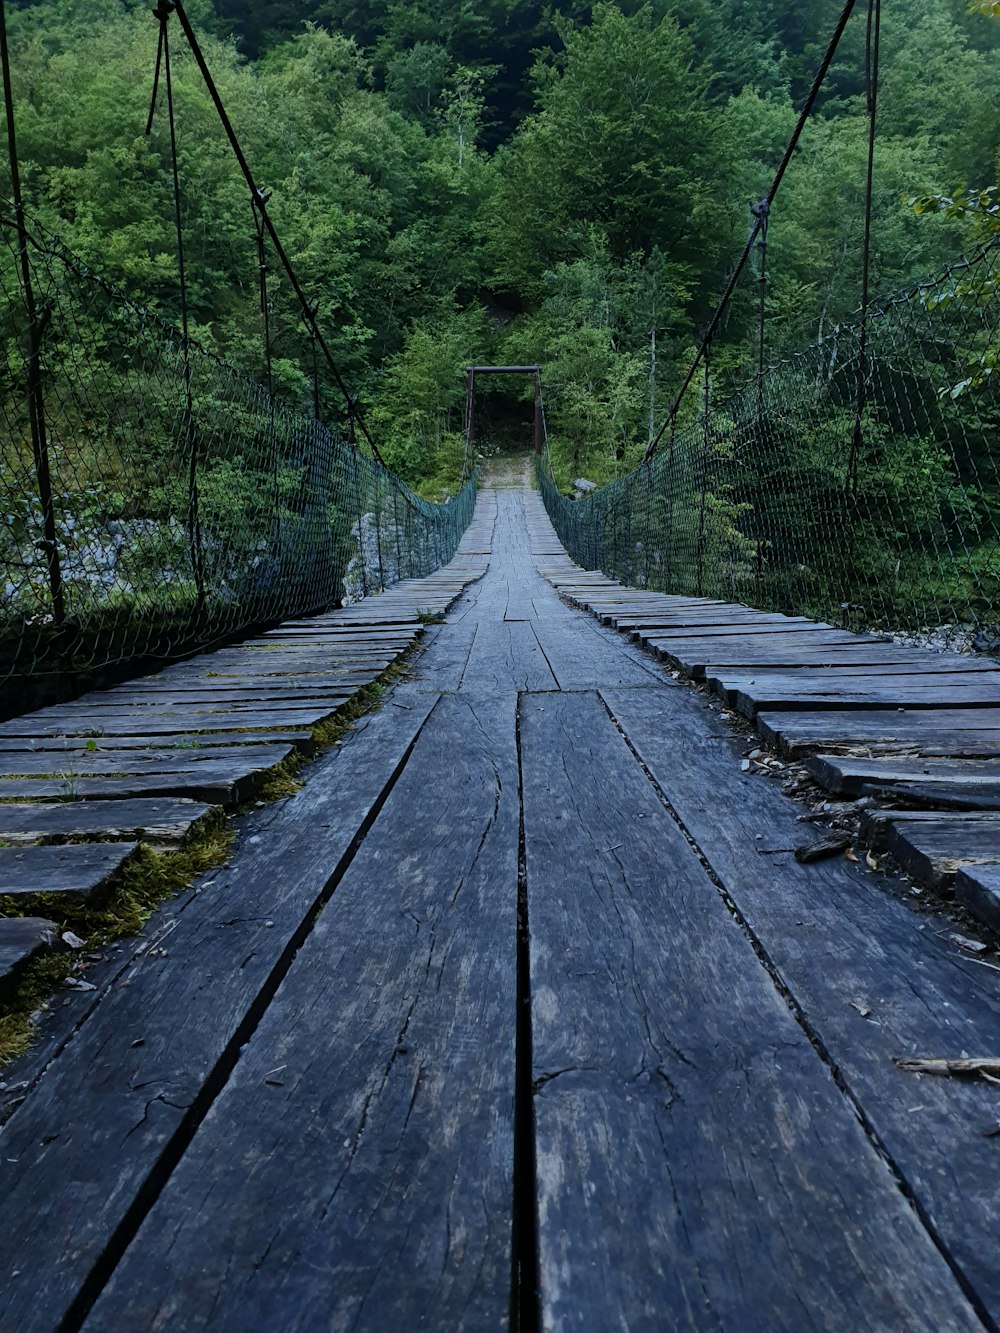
point(985, 1066)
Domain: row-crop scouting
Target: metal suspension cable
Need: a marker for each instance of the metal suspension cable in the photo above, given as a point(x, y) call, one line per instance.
point(759, 220)
point(308, 311)
point(162, 15)
point(36, 400)
point(872, 47)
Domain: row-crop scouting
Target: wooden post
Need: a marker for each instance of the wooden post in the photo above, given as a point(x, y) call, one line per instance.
point(470, 433)
point(36, 398)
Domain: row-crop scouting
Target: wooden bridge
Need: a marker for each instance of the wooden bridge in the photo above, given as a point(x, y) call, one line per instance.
point(523, 1012)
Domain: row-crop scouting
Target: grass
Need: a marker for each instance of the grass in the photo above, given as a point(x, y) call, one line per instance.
point(150, 877)
point(127, 902)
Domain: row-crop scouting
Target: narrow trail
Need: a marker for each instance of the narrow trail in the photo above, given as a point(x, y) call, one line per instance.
point(521, 1014)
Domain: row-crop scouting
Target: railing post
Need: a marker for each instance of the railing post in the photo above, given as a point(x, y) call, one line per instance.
point(378, 527)
point(353, 449)
point(162, 14)
point(703, 482)
point(35, 393)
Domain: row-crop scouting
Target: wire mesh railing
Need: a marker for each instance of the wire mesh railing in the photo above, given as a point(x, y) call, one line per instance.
point(774, 498)
point(170, 502)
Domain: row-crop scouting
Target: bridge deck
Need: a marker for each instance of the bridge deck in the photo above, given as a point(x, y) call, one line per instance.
point(525, 989)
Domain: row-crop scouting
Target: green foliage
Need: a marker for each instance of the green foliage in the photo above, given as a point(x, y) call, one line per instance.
point(472, 182)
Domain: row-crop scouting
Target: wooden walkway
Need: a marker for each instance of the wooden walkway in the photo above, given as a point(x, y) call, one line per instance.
point(522, 1013)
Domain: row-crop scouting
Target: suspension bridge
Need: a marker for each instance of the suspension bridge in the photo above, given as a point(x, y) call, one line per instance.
point(602, 927)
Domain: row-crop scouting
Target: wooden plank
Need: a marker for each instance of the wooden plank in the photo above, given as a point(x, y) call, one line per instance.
point(933, 850)
point(21, 939)
point(78, 868)
point(147, 1049)
point(506, 656)
point(854, 776)
point(948, 732)
point(181, 741)
point(223, 699)
point(217, 783)
point(821, 668)
point(150, 820)
point(193, 713)
point(581, 656)
point(978, 889)
point(668, 641)
point(661, 1051)
point(373, 1107)
point(704, 661)
point(444, 655)
point(281, 668)
point(841, 944)
point(86, 763)
point(750, 696)
point(87, 725)
point(234, 687)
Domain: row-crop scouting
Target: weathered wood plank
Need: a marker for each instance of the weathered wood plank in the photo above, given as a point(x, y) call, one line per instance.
point(152, 723)
point(933, 850)
point(661, 1050)
point(151, 820)
point(21, 939)
point(65, 1194)
point(180, 741)
point(750, 696)
point(373, 1107)
point(841, 944)
point(218, 783)
point(853, 776)
point(978, 889)
point(79, 868)
point(948, 731)
point(87, 763)
point(581, 657)
point(506, 656)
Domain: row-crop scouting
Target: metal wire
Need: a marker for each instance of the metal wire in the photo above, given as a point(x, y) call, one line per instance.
point(144, 578)
point(754, 502)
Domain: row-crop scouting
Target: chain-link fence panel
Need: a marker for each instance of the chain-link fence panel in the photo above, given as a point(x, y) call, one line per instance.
point(855, 483)
point(153, 500)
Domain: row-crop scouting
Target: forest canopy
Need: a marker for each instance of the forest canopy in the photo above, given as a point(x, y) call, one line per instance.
point(503, 181)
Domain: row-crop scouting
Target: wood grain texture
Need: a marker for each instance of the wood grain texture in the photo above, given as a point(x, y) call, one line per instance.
point(22, 938)
point(661, 1051)
point(926, 780)
point(372, 1171)
point(796, 691)
point(506, 657)
point(946, 731)
point(978, 889)
point(67, 1183)
point(86, 763)
point(841, 944)
point(76, 869)
point(933, 850)
point(152, 820)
